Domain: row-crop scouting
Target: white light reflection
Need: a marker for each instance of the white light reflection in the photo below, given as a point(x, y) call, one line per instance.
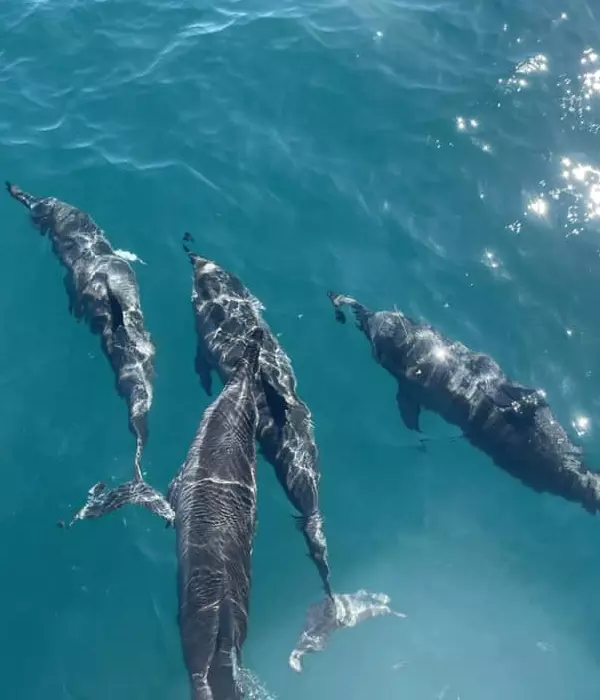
point(577, 101)
point(535, 64)
point(584, 187)
point(531, 66)
point(539, 207)
point(581, 425)
point(589, 56)
point(440, 353)
point(490, 260)
point(465, 124)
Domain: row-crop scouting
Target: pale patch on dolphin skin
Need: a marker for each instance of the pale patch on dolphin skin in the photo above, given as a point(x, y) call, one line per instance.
point(511, 423)
point(102, 290)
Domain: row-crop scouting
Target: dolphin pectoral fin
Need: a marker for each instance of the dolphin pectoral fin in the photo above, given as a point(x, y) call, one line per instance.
point(74, 303)
point(277, 404)
point(101, 501)
point(409, 408)
point(117, 318)
point(203, 370)
point(518, 403)
point(346, 610)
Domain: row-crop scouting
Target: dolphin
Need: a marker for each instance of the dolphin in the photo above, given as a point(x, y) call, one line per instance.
point(226, 312)
point(102, 290)
point(511, 423)
point(327, 616)
point(214, 498)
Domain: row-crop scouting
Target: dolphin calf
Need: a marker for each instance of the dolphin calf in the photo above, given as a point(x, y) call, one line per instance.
point(511, 423)
point(226, 312)
point(102, 290)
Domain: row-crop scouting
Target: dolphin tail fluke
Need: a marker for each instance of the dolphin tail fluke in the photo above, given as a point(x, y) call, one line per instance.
point(332, 614)
point(17, 193)
point(102, 501)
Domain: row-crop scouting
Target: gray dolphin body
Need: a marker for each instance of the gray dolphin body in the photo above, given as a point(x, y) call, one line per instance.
point(103, 290)
point(214, 499)
point(511, 423)
point(226, 312)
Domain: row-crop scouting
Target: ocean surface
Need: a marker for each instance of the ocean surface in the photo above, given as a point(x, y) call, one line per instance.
point(440, 157)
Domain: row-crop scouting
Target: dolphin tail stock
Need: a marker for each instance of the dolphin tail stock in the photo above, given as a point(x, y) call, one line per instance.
point(222, 677)
point(141, 434)
point(17, 193)
point(311, 527)
point(201, 690)
point(338, 612)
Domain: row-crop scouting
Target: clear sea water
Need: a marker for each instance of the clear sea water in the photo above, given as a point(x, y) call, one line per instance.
point(442, 157)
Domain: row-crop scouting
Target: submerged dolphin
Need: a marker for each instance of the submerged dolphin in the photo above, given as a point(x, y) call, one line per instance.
point(511, 423)
point(103, 290)
point(214, 498)
point(226, 313)
point(324, 618)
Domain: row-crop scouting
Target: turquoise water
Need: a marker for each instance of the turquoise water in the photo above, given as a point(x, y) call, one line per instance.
point(440, 157)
